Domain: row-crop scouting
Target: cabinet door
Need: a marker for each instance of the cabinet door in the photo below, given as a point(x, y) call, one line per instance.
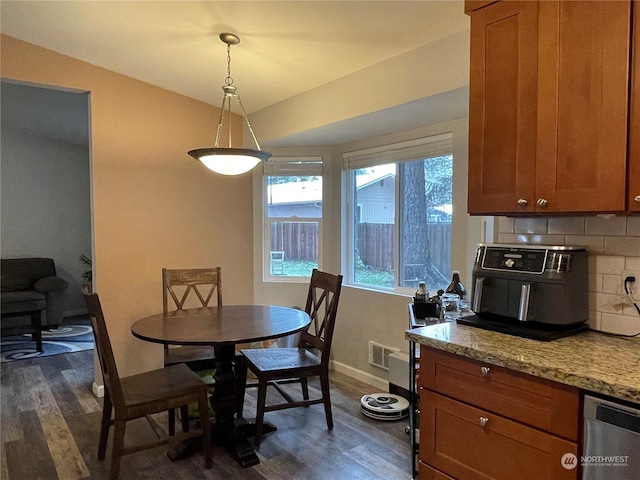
point(502, 107)
point(583, 78)
point(633, 201)
point(472, 444)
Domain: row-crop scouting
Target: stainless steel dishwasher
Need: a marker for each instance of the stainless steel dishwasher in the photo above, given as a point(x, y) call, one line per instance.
point(611, 440)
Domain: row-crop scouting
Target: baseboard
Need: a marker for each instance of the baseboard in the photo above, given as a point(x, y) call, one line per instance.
point(377, 382)
point(98, 390)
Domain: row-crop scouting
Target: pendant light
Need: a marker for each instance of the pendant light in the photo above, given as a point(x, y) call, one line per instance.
point(228, 160)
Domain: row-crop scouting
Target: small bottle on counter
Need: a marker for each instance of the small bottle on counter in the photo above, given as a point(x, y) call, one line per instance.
point(456, 286)
point(421, 295)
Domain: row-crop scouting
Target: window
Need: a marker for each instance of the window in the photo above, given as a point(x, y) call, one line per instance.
point(292, 217)
point(400, 214)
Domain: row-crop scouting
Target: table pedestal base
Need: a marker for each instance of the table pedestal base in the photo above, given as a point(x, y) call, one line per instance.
point(237, 444)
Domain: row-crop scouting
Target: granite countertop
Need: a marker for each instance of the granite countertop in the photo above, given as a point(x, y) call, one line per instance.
point(588, 360)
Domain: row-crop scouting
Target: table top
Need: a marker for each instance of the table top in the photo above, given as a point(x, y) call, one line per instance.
point(227, 324)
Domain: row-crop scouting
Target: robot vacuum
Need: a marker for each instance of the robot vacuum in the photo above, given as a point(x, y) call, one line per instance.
point(384, 406)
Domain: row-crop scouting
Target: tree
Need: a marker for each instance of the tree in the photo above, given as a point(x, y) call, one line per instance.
point(415, 236)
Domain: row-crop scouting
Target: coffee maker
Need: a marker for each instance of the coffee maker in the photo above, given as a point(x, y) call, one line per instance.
point(534, 291)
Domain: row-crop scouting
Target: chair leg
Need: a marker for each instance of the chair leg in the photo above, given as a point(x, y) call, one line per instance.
point(262, 398)
point(305, 388)
point(184, 418)
point(324, 385)
point(241, 386)
point(104, 426)
point(118, 445)
point(172, 421)
point(203, 410)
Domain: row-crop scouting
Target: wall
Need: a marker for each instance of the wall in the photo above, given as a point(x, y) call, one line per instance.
point(614, 248)
point(153, 205)
point(45, 206)
point(365, 314)
point(435, 68)
point(383, 317)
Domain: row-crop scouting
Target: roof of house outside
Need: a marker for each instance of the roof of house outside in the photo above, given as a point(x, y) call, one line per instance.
point(295, 192)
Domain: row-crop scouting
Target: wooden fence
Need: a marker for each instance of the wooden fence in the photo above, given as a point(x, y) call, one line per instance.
point(299, 241)
point(375, 245)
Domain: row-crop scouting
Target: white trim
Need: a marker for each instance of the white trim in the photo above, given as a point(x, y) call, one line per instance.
point(293, 166)
point(379, 383)
point(98, 390)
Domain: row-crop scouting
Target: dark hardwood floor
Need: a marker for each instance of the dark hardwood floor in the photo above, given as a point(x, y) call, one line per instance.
point(50, 422)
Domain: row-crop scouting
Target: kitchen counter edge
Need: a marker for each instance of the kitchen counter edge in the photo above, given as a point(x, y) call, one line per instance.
point(591, 361)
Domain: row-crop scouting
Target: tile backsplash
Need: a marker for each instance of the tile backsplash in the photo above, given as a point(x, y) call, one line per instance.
point(613, 244)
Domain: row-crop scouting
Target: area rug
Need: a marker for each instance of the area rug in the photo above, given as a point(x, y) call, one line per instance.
point(74, 335)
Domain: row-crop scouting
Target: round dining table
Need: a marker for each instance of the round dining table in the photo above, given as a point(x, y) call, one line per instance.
point(223, 327)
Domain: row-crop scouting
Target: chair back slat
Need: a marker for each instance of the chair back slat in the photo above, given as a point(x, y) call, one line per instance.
point(208, 279)
point(113, 388)
point(322, 307)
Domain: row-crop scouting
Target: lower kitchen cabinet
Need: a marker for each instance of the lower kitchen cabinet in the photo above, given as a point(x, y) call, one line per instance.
point(425, 472)
point(479, 421)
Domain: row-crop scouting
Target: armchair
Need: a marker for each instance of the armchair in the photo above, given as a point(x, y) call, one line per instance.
point(29, 285)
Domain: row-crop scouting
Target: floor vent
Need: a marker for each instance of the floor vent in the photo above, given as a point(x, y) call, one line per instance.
point(379, 355)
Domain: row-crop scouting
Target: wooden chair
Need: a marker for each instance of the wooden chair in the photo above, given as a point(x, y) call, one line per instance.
point(203, 284)
point(276, 366)
point(142, 395)
point(177, 285)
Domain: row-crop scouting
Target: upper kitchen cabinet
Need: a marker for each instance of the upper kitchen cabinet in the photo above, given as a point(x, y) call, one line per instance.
point(548, 107)
point(633, 201)
point(502, 106)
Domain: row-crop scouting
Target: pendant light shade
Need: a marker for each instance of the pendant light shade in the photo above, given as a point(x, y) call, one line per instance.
point(229, 160)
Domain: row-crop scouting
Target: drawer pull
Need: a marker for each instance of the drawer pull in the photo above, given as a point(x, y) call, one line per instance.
point(483, 421)
point(484, 371)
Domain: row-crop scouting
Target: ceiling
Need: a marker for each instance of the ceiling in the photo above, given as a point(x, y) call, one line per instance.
point(286, 47)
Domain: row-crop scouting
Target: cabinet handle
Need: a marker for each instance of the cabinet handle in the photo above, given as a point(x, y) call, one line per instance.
point(522, 202)
point(483, 421)
point(542, 202)
point(484, 371)
point(637, 199)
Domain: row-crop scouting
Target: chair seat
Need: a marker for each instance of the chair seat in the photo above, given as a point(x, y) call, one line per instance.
point(160, 387)
point(187, 353)
point(281, 359)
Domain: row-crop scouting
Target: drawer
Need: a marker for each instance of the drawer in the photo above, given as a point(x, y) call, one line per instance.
point(469, 443)
point(426, 472)
point(541, 403)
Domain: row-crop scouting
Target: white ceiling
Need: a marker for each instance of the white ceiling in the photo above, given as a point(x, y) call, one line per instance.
point(286, 47)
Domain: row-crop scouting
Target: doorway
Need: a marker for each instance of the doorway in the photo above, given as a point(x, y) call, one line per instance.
point(45, 182)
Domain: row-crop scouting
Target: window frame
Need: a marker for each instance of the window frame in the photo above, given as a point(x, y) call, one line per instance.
point(289, 166)
point(429, 146)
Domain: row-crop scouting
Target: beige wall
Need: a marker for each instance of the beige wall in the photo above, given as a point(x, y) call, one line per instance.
point(432, 69)
point(153, 206)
